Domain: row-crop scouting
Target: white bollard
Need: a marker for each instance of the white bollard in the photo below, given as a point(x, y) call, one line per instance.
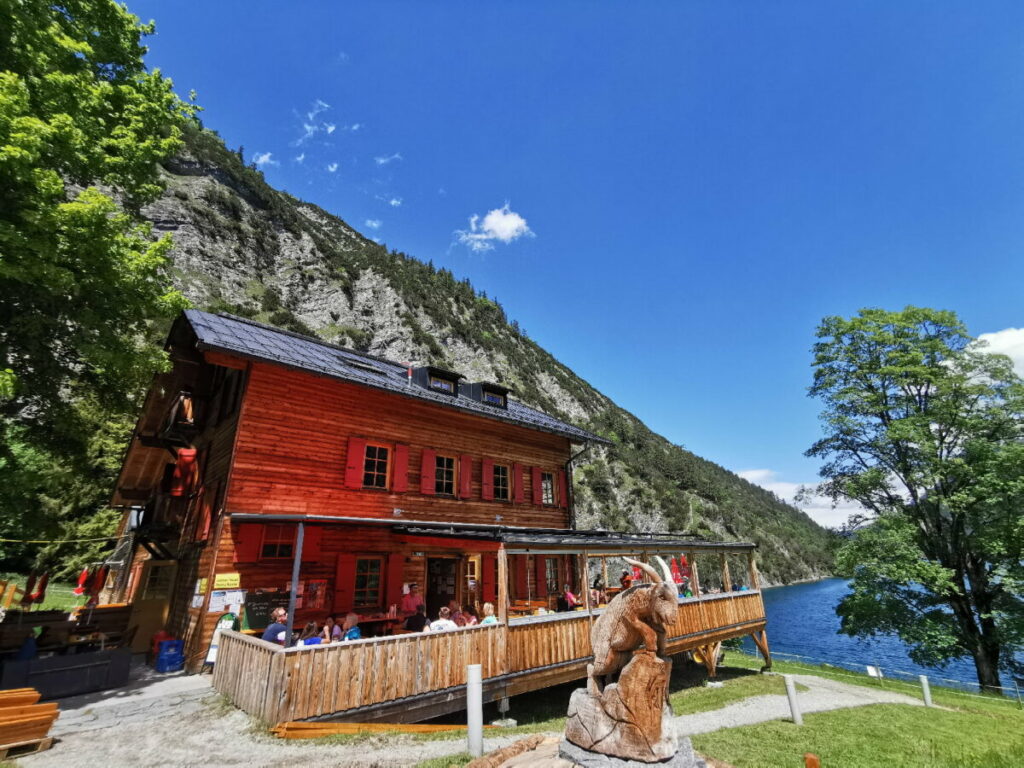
point(926, 690)
point(475, 710)
point(794, 708)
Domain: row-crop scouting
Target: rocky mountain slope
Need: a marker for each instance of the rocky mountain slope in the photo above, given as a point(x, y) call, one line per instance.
point(244, 247)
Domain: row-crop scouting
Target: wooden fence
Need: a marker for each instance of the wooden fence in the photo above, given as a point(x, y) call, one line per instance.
point(278, 684)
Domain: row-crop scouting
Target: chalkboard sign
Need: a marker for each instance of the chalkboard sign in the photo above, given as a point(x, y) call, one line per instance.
point(259, 605)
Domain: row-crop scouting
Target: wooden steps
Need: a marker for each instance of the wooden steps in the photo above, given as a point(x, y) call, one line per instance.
point(314, 730)
point(24, 723)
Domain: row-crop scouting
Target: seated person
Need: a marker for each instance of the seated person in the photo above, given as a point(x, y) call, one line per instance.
point(489, 617)
point(443, 621)
point(570, 599)
point(418, 621)
point(455, 613)
point(332, 630)
point(471, 618)
point(411, 600)
point(310, 635)
point(626, 580)
point(350, 630)
point(274, 633)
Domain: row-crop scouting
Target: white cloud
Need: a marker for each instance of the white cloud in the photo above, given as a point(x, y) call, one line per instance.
point(264, 158)
point(819, 508)
point(501, 224)
point(332, 167)
point(355, 126)
point(387, 159)
point(330, 128)
point(1009, 342)
point(373, 223)
point(300, 157)
point(318, 106)
point(395, 202)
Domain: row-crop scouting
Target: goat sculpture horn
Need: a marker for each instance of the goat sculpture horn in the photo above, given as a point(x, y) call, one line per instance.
point(665, 569)
point(655, 576)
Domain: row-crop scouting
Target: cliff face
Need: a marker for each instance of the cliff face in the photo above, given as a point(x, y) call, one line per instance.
point(243, 247)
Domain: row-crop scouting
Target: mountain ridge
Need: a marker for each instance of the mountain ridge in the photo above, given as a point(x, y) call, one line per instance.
point(243, 247)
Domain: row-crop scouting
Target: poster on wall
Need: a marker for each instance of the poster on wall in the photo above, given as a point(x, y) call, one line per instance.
point(316, 594)
point(299, 593)
point(222, 600)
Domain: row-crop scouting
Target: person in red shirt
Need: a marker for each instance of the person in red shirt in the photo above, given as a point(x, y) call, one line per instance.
point(411, 600)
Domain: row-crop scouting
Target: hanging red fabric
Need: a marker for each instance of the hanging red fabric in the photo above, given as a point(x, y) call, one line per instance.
point(677, 575)
point(40, 594)
point(26, 598)
point(183, 478)
point(638, 575)
point(83, 579)
point(99, 580)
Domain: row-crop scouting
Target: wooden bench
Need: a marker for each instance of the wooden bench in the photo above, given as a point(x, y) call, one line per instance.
point(24, 724)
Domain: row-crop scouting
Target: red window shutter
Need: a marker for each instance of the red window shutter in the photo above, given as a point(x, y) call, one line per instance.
point(538, 491)
point(428, 472)
point(488, 588)
point(465, 476)
point(518, 491)
point(520, 565)
point(312, 535)
point(563, 489)
point(393, 585)
point(400, 471)
point(354, 462)
point(247, 539)
point(184, 472)
point(345, 583)
point(487, 479)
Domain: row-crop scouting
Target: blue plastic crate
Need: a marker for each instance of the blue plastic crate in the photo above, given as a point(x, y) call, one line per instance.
point(167, 664)
point(169, 648)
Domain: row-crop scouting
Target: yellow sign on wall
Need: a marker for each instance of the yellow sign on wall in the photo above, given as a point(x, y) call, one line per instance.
point(227, 581)
point(201, 586)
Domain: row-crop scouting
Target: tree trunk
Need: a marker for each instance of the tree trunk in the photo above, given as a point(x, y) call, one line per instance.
point(986, 662)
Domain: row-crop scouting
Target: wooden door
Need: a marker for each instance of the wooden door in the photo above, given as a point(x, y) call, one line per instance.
point(442, 583)
point(152, 600)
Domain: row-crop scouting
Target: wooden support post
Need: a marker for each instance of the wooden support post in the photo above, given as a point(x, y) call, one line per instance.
point(761, 641)
point(726, 580)
point(296, 561)
point(694, 576)
point(755, 579)
point(502, 585)
point(604, 573)
point(584, 580)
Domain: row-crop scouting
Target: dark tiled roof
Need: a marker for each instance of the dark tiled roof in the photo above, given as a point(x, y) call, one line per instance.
point(247, 338)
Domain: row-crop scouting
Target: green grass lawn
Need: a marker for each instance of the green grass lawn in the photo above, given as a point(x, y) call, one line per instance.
point(877, 735)
point(59, 595)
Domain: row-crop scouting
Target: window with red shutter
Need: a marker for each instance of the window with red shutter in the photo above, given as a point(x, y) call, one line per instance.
point(247, 539)
point(535, 485)
point(354, 462)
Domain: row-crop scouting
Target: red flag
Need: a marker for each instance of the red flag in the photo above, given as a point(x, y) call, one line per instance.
point(83, 579)
point(677, 575)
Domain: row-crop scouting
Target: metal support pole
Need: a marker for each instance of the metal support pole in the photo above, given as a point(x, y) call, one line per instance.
point(475, 710)
point(926, 690)
point(794, 708)
point(296, 560)
point(1020, 704)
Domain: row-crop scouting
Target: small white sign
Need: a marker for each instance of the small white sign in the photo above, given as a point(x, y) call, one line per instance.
point(874, 671)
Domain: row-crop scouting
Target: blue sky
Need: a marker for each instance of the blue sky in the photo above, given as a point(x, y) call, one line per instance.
point(670, 196)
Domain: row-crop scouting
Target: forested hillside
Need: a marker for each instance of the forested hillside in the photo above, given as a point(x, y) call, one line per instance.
point(246, 248)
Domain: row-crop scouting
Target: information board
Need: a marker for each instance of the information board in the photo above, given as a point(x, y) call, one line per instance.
point(258, 606)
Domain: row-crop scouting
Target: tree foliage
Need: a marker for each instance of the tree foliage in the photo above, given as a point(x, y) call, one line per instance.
point(924, 429)
point(83, 128)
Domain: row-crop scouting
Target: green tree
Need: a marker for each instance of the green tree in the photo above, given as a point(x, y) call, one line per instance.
point(83, 127)
point(923, 428)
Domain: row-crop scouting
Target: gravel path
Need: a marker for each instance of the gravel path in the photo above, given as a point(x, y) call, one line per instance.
point(171, 721)
point(824, 694)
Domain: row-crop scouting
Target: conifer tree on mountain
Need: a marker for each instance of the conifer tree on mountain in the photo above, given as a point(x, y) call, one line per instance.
point(926, 431)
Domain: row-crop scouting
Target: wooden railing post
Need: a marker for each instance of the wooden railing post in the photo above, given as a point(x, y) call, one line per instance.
point(503, 603)
point(726, 579)
point(585, 580)
point(694, 575)
point(755, 580)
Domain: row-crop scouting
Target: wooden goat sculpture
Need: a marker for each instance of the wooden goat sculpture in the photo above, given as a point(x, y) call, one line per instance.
point(638, 615)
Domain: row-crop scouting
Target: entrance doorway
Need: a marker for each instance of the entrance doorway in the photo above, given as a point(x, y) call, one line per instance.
point(442, 576)
point(151, 601)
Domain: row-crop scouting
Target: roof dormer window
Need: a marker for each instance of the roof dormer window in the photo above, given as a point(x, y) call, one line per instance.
point(494, 398)
point(442, 385)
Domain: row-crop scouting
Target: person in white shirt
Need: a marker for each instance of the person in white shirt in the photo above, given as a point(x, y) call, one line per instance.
point(443, 622)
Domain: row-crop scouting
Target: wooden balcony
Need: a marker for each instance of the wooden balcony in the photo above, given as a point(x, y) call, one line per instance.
point(408, 678)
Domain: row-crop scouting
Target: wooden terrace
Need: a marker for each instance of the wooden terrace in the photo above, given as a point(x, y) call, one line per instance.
point(414, 677)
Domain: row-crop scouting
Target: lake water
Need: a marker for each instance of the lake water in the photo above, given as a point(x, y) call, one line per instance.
point(802, 621)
